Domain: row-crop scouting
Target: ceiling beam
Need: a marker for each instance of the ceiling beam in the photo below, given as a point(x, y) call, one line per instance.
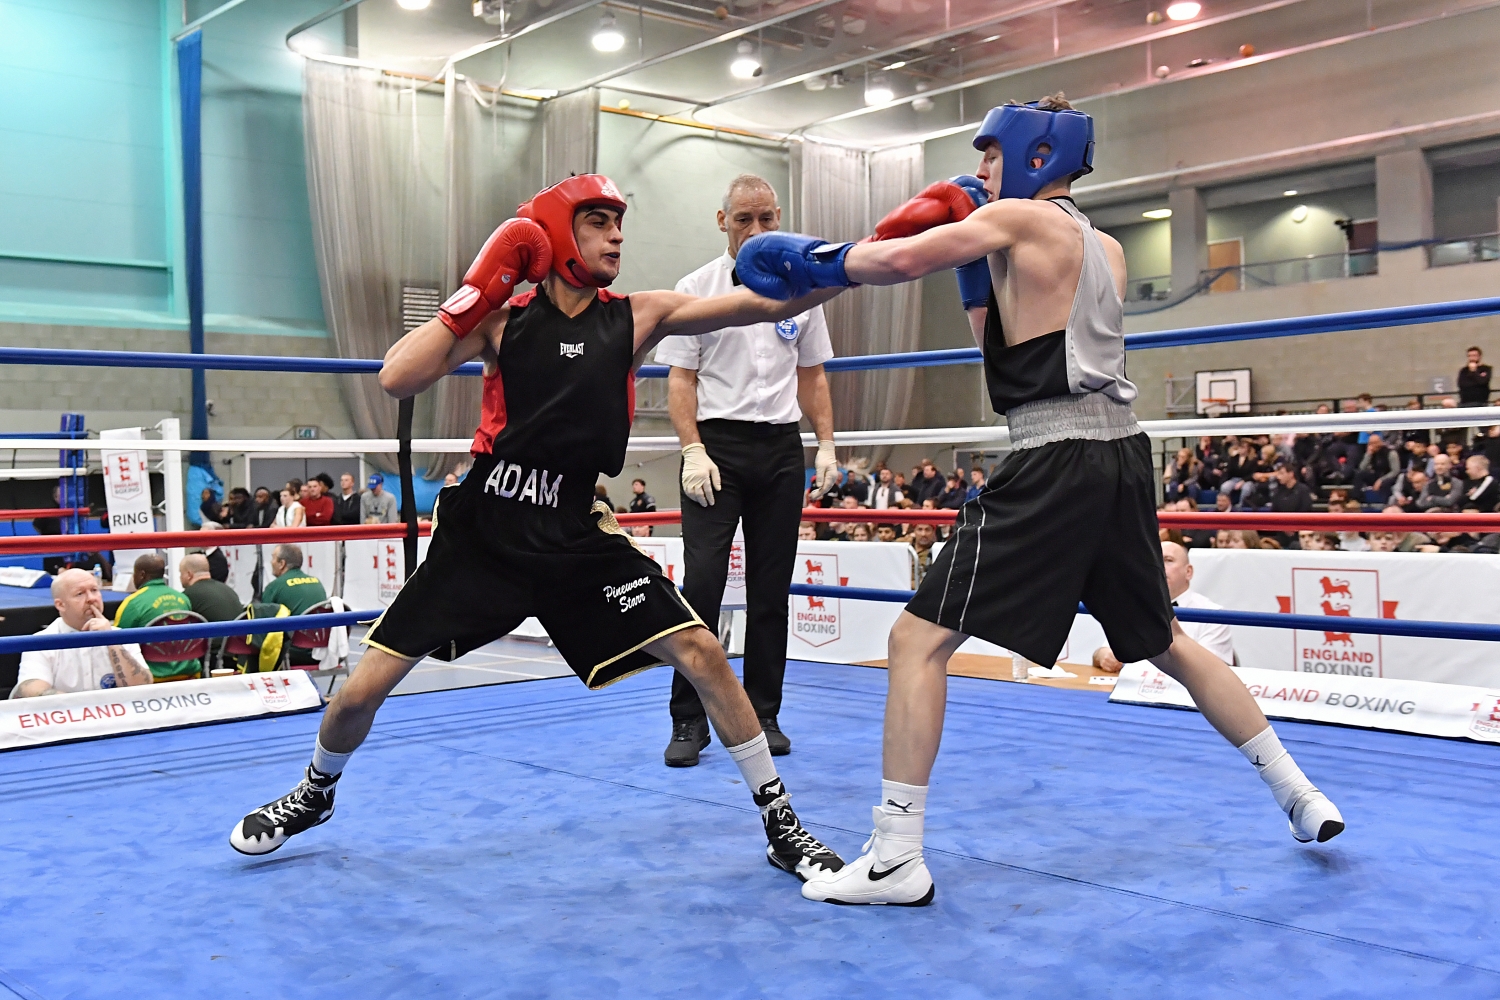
point(725, 36)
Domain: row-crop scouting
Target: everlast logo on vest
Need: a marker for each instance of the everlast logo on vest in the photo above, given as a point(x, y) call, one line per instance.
point(506, 480)
point(570, 350)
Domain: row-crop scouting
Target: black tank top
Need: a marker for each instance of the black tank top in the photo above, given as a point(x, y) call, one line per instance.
point(563, 394)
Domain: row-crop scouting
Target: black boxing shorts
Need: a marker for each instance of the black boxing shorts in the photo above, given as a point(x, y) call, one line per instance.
point(1066, 522)
point(516, 540)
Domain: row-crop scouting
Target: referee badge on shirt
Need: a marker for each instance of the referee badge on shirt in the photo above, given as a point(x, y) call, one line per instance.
point(787, 329)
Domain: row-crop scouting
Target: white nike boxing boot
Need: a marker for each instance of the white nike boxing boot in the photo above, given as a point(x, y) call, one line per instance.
point(890, 872)
point(1309, 813)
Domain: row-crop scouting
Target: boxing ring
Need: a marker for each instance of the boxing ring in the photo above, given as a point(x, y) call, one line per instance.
point(524, 839)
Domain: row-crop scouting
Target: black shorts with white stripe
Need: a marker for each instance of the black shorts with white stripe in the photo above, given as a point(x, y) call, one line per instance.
point(505, 548)
point(1066, 522)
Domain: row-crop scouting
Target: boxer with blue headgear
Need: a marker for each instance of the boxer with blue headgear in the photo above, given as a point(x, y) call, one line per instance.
point(1069, 516)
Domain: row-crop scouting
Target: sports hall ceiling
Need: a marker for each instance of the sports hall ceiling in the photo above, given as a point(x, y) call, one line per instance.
point(820, 61)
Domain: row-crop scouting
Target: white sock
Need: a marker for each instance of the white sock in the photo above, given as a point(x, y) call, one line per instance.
point(898, 821)
point(1276, 768)
point(331, 764)
point(753, 758)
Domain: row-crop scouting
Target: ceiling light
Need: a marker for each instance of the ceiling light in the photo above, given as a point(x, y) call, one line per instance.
point(1185, 11)
point(1157, 213)
point(878, 90)
point(992, 38)
point(836, 79)
point(1289, 193)
point(921, 105)
point(897, 64)
point(746, 63)
point(815, 83)
point(413, 4)
point(1299, 214)
point(607, 36)
point(306, 44)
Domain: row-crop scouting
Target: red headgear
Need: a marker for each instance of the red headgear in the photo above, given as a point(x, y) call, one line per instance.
point(554, 208)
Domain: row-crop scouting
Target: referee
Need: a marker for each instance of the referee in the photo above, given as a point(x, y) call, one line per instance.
point(734, 399)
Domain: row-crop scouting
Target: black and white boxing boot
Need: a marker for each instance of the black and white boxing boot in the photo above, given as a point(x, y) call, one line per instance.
point(304, 807)
point(789, 846)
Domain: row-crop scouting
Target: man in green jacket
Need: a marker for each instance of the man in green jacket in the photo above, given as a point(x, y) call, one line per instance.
point(295, 590)
point(152, 599)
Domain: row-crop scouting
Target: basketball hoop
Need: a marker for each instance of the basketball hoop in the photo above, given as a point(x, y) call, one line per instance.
point(1216, 407)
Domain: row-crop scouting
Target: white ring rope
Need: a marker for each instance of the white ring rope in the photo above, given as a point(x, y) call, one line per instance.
point(995, 434)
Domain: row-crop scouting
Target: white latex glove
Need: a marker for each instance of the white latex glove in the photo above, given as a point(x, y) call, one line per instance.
point(700, 476)
point(825, 470)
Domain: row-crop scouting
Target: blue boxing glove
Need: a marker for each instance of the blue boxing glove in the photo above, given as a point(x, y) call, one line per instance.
point(973, 277)
point(973, 187)
point(789, 265)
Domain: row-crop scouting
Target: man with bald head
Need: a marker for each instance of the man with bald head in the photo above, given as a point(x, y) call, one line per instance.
point(80, 608)
point(736, 398)
point(211, 598)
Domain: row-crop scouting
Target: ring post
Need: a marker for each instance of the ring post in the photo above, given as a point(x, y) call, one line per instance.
point(172, 487)
point(408, 489)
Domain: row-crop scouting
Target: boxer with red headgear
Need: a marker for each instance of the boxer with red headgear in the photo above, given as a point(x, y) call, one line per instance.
point(522, 535)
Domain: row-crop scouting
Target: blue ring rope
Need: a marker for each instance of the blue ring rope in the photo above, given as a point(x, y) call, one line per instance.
point(1367, 319)
point(162, 633)
point(1259, 619)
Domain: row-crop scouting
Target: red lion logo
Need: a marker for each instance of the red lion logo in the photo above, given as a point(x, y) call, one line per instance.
point(1335, 587)
point(1329, 609)
point(1343, 637)
point(815, 603)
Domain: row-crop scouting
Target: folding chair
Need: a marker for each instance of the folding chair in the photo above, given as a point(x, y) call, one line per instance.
point(176, 650)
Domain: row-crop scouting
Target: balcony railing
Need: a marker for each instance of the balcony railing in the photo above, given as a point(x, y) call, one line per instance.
point(1292, 271)
point(1157, 289)
point(1468, 250)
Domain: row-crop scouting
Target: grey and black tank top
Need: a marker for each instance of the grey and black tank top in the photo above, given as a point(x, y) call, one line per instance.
point(1069, 383)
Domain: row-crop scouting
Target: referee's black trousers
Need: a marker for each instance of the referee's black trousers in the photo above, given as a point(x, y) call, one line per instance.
point(762, 480)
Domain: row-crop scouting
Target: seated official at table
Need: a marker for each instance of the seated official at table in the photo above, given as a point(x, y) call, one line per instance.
point(152, 598)
point(294, 590)
point(80, 608)
point(1214, 638)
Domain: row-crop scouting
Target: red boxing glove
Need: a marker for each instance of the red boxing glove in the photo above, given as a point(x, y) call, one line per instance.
point(935, 205)
point(518, 250)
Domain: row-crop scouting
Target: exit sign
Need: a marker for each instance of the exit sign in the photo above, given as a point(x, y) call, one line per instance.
point(305, 433)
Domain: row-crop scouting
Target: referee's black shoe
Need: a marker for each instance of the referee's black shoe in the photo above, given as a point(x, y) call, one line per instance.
point(689, 736)
point(778, 742)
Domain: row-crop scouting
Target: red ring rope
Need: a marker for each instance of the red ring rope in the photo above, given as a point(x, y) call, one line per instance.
point(27, 513)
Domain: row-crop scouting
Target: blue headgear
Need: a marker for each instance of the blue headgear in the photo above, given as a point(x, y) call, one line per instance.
point(1020, 129)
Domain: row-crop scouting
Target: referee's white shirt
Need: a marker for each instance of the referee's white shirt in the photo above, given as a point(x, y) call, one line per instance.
point(750, 372)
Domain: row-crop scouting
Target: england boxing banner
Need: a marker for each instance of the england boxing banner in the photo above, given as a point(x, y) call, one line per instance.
point(1333, 585)
point(84, 715)
point(375, 569)
point(835, 630)
point(127, 498)
point(1456, 711)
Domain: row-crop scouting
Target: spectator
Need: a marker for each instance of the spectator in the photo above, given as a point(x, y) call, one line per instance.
point(1222, 503)
point(151, 599)
point(1408, 488)
point(859, 532)
point(1258, 493)
point(1182, 475)
point(885, 532)
point(1227, 539)
point(1214, 638)
point(1404, 541)
point(927, 484)
point(1240, 467)
point(976, 483)
point(239, 511)
point(294, 590)
point(1488, 444)
point(376, 506)
point(213, 599)
point(1481, 490)
point(218, 562)
point(953, 496)
point(1317, 541)
point(1414, 453)
point(265, 509)
point(1444, 491)
point(209, 507)
point(291, 513)
point(1349, 541)
point(294, 487)
point(885, 494)
point(641, 502)
point(1288, 496)
point(807, 532)
point(316, 502)
point(450, 479)
point(1456, 454)
point(80, 608)
point(923, 538)
point(1379, 466)
point(346, 502)
point(1474, 380)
